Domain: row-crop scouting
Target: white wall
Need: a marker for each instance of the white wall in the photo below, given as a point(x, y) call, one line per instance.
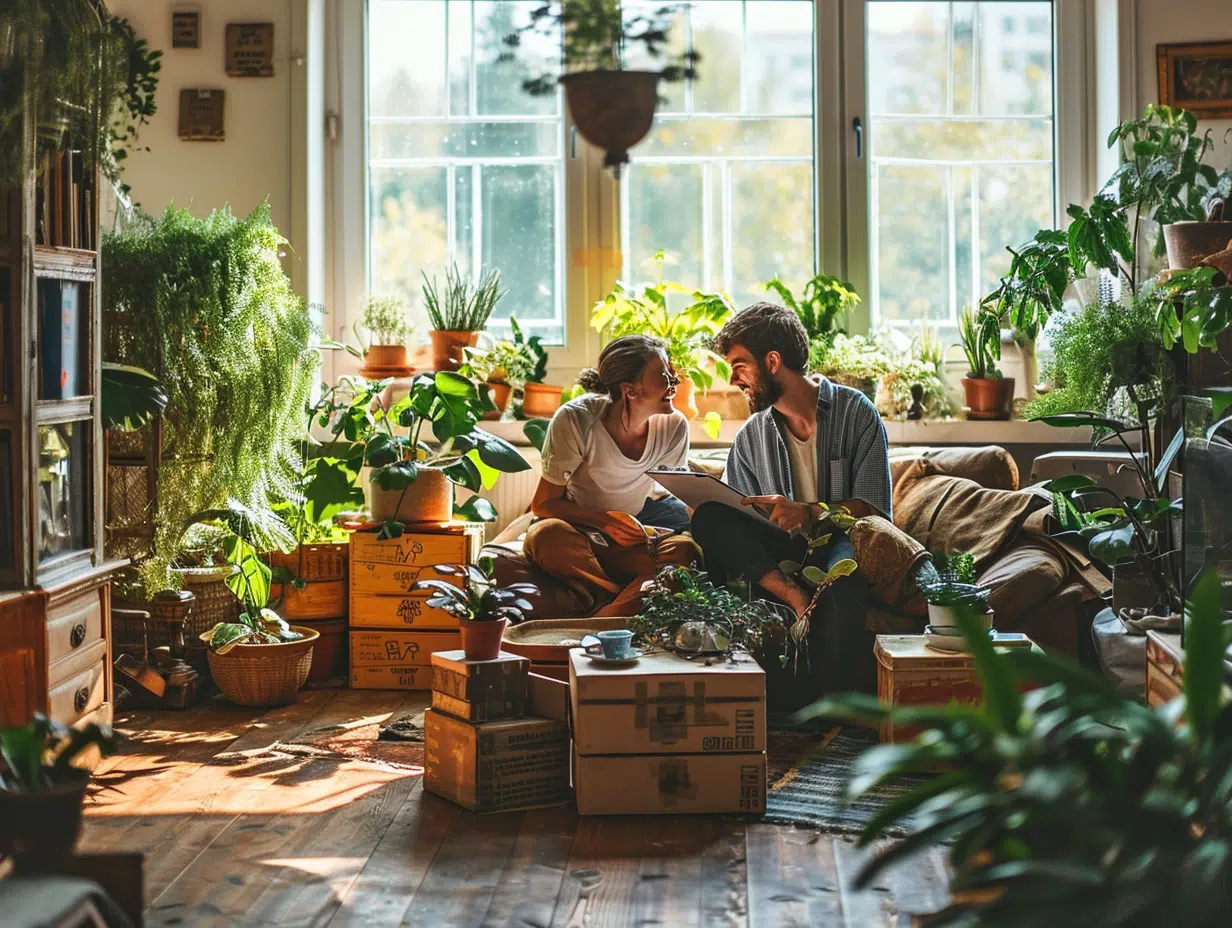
point(1165, 21)
point(255, 160)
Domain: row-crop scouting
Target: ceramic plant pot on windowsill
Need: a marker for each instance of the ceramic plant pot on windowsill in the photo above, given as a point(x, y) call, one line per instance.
point(500, 396)
point(989, 399)
point(540, 400)
point(447, 347)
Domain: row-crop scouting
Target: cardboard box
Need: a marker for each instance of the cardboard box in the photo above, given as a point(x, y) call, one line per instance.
point(496, 766)
point(547, 698)
point(396, 660)
point(672, 784)
point(373, 610)
point(479, 691)
point(455, 544)
point(665, 704)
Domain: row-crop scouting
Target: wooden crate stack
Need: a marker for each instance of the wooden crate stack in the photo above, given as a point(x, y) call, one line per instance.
point(393, 630)
point(481, 748)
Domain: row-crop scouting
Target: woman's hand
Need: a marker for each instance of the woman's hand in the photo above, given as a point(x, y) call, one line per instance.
point(623, 529)
point(787, 514)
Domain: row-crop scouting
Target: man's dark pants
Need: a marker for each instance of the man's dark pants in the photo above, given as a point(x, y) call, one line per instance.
point(840, 647)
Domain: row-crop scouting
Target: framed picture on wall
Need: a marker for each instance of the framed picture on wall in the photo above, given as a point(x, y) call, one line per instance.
point(250, 49)
point(201, 115)
point(1197, 76)
point(185, 29)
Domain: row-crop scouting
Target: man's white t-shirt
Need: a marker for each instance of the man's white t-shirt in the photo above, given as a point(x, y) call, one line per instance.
point(580, 455)
point(802, 456)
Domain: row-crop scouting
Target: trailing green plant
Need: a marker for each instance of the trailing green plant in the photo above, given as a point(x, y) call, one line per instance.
point(477, 598)
point(981, 363)
point(596, 35)
point(387, 320)
point(40, 754)
point(470, 457)
point(461, 306)
point(814, 578)
point(205, 306)
point(682, 595)
point(86, 77)
point(516, 360)
point(685, 332)
point(822, 307)
point(1192, 307)
point(1069, 804)
point(1107, 357)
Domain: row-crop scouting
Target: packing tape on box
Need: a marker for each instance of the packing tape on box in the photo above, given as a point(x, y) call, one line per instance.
point(670, 721)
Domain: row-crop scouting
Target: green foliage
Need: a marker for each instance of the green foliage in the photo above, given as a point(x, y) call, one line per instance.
point(686, 332)
point(132, 397)
point(852, 355)
point(205, 306)
point(956, 594)
point(1100, 352)
point(477, 598)
point(461, 306)
point(40, 755)
point(1189, 308)
point(683, 594)
point(1074, 805)
point(955, 568)
point(517, 360)
point(980, 359)
point(822, 307)
point(387, 320)
point(140, 67)
point(595, 35)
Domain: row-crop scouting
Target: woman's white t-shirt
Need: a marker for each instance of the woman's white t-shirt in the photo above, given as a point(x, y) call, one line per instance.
point(580, 455)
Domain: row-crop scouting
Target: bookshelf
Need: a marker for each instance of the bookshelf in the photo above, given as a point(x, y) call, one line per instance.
point(55, 628)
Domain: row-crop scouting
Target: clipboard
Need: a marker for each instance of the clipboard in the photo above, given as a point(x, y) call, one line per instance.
point(693, 489)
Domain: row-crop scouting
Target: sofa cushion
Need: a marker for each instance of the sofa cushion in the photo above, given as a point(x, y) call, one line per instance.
point(989, 465)
point(889, 559)
point(1025, 577)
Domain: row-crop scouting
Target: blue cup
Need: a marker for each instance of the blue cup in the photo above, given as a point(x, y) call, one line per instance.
point(614, 644)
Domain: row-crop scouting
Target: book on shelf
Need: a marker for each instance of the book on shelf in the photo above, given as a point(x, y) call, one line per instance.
point(64, 201)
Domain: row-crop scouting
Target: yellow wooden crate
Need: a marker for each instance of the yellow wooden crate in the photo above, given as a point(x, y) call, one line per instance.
point(396, 659)
point(371, 577)
point(458, 544)
point(375, 610)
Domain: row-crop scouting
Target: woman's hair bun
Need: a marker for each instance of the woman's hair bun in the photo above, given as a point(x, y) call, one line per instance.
point(590, 381)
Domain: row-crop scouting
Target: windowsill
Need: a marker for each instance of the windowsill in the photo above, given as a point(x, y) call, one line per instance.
point(898, 432)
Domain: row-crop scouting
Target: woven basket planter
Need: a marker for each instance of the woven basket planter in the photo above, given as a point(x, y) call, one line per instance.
point(214, 601)
point(262, 675)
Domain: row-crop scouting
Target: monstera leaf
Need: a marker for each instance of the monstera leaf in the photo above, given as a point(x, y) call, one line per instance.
point(131, 397)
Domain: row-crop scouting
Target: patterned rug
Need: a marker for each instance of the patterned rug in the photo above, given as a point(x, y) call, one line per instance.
point(807, 775)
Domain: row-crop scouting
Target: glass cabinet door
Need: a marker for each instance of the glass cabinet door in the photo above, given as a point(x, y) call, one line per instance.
point(63, 339)
point(64, 488)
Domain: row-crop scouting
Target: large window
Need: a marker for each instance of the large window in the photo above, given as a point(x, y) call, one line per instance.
point(960, 104)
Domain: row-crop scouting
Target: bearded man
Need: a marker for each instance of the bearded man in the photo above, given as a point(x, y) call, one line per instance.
point(808, 441)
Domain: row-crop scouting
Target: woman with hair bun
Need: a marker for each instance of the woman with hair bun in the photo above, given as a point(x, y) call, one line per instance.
point(596, 507)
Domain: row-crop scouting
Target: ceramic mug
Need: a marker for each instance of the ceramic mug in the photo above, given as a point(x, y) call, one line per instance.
point(614, 644)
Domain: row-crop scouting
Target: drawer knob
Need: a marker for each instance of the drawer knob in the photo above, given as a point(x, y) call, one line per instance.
point(81, 699)
point(77, 635)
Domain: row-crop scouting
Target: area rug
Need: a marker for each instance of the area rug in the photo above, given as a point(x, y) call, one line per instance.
point(807, 776)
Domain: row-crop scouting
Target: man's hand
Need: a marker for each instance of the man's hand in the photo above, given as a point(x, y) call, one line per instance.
point(787, 514)
point(623, 529)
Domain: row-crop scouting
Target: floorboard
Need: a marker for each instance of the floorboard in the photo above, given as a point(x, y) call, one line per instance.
point(238, 832)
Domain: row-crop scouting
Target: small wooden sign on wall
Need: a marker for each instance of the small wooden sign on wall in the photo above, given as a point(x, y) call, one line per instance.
point(201, 115)
point(185, 29)
point(250, 49)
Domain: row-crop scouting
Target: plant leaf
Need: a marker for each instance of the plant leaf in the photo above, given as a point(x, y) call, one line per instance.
point(476, 509)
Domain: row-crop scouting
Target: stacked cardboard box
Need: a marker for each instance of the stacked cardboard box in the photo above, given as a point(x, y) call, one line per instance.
point(479, 750)
point(667, 735)
point(393, 630)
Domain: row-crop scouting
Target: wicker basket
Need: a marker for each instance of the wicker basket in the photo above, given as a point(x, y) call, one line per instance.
point(263, 674)
point(214, 600)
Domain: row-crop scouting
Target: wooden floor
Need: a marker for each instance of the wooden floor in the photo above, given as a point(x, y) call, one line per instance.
point(234, 838)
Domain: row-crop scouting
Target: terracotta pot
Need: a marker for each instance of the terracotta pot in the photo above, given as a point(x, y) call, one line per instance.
point(386, 356)
point(482, 640)
point(989, 399)
point(40, 829)
point(322, 570)
point(263, 674)
point(1190, 242)
point(447, 348)
point(613, 110)
point(428, 499)
point(500, 396)
point(684, 399)
point(540, 400)
point(329, 651)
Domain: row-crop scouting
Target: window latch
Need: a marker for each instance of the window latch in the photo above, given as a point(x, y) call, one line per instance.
point(573, 141)
point(858, 128)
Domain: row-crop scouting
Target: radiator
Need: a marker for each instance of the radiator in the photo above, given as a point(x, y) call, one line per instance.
point(513, 492)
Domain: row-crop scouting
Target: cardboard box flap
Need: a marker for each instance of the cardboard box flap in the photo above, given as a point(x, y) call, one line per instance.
point(664, 676)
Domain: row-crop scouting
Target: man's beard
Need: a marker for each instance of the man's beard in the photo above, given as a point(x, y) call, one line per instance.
point(766, 392)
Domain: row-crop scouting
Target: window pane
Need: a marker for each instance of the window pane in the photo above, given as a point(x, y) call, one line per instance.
point(64, 338)
point(465, 166)
point(961, 148)
point(64, 489)
point(724, 181)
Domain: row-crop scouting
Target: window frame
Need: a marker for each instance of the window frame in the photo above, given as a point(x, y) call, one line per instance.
point(592, 257)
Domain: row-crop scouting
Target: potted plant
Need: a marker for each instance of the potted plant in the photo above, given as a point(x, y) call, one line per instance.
point(458, 312)
point(822, 307)
point(42, 789)
point(1067, 804)
point(686, 332)
point(516, 365)
point(612, 107)
point(413, 482)
point(852, 360)
point(955, 589)
point(988, 394)
point(387, 321)
point(257, 660)
point(481, 607)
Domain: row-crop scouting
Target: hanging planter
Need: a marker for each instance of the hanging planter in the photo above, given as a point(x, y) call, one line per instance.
point(613, 110)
